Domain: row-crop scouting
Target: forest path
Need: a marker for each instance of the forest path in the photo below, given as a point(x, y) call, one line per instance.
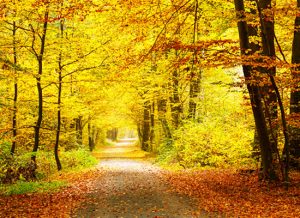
point(133, 187)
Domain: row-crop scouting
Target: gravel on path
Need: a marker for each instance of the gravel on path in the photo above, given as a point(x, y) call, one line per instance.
point(133, 188)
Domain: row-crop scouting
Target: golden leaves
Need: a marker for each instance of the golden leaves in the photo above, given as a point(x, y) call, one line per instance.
point(237, 194)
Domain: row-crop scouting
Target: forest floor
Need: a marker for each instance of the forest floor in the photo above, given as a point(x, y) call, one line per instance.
point(126, 184)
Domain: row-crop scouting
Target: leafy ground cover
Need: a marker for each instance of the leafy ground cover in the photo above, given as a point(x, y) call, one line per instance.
point(56, 203)
point(107, 188)
point(238, 194)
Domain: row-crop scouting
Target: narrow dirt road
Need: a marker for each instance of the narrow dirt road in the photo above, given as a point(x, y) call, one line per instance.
point(133, 188)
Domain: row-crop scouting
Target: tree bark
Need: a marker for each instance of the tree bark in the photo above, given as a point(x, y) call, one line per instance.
point(268, 51)
point(15, 107)
point(255, 48)
point(91, 137)
point(152, 123)
point(146, 127)
point(195, 76)
point(162, 111)
point(39, 57)
point(175, 99)
point(295, 94)
point(79, 128)
point(58, 164)
point(255, 97)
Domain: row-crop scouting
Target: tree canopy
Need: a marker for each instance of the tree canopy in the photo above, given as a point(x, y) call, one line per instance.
point(203, 83)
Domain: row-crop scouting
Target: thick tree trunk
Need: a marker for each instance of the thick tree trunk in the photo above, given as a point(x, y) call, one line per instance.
point(15, 108)
point(255, 48)
point(266, 16)
point(255, 98)
point(39, 88)
point(295, 95)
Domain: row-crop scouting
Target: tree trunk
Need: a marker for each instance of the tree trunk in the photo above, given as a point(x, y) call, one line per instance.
point(59, 167)
point(175, 100)
point(39, 87)
point(152, 122)
point(15, 108)
point(295, 95)
point(268, 51)
point(255, 48)
point(139, 131)
point(93, 135)
point(162, 111)
point(112, 134)
point(194, 93)
point(79, 127)
point(91, 144)
point(58, 164)
point(115, 137)
point(255, 98)
point(195, 76)
point(146, 127)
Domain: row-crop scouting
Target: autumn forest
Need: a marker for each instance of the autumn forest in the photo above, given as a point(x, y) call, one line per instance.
point(149, 108)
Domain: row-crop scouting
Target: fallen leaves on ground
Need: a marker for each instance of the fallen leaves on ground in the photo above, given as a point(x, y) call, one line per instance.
point(238, 195)
point(56, 204)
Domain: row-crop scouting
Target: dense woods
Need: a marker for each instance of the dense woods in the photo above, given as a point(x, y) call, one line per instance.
point(202, 83)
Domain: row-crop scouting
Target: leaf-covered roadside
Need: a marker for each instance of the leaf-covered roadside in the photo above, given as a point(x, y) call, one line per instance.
point(238, 194)
point(55, 204)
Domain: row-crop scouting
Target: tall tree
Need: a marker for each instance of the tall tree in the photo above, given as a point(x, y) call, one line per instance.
point(195, 74)
point(58, 128)
point(295, 93)
point(267, 23)
point(255, 96)
point(146, 126)
point(40, 59)
point(15, 107)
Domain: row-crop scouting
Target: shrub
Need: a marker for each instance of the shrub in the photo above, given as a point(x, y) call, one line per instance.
point(13, 168)
point(80, 158)
point(215, 144)
point(223, 133)
point(19, 166)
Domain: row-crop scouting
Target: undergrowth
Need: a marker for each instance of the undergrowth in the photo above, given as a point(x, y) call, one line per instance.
point(16, 181)
point(23, 187)
point(222, 134)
